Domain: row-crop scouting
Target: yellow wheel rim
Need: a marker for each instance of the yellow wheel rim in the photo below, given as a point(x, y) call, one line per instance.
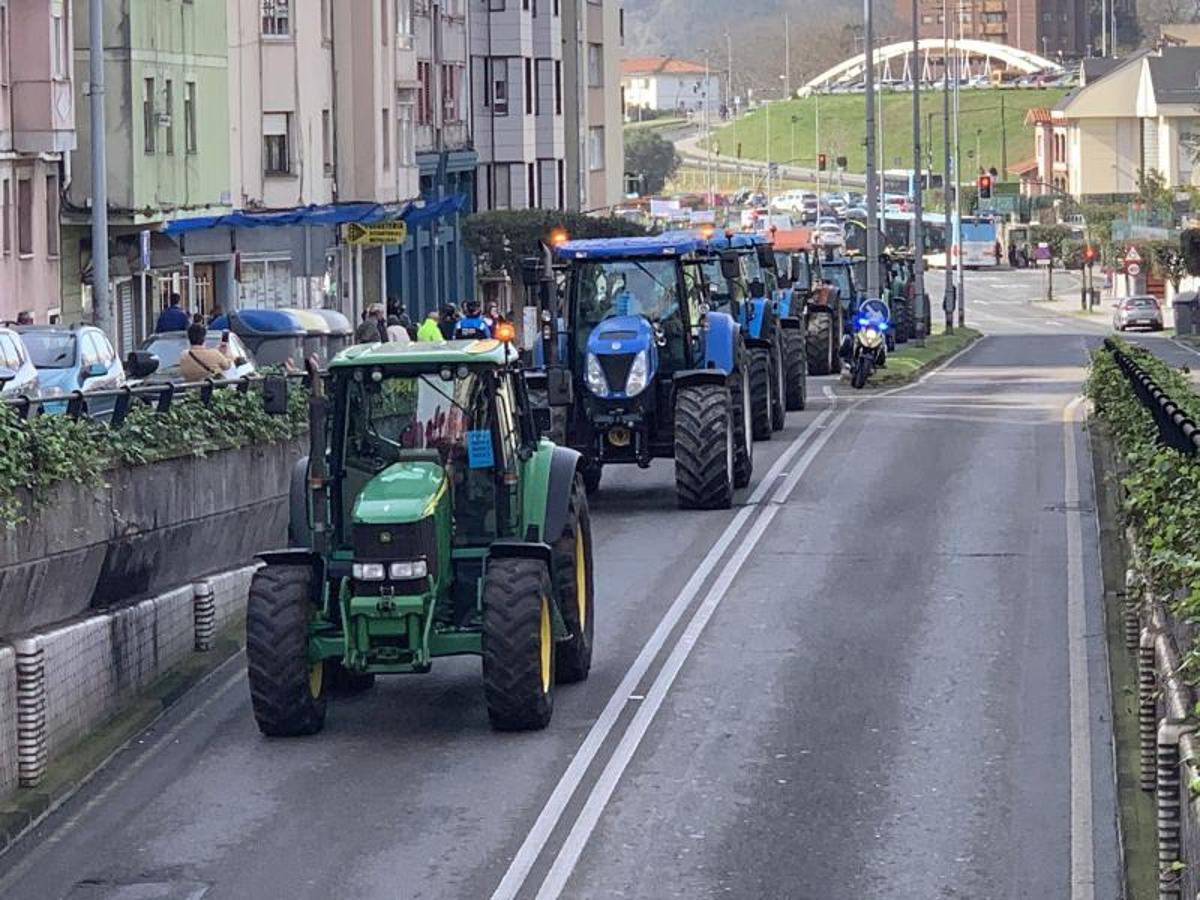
point(316, 678)
point(546, 637)
point(580, 579)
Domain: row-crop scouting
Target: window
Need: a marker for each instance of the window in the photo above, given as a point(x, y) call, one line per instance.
point(189, 116)
point(499, 84)
point(3, 46)
point(276, 153)
point(451, 112)
point(558, 87)
point(385, 133)
point(495, 5)
point(502, 193)
point(275, 18)
point(621, 26)
point(404, 25)
point(325, 20)
point(596, 147)
point(25, 216)
point(528, 86)
point(406, 140)
point(562, 183)
point(544, 75)
point(383, 21)
point(52, 215)
point(148, 114)
point(326, 142)
point(531, 185)
point(58, 57)
point(169, 121)
point(595, 64)
point(5, 217)
point(424, 93)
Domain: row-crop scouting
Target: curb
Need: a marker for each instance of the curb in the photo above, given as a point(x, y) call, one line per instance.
point(909, 377)
point(29, 806)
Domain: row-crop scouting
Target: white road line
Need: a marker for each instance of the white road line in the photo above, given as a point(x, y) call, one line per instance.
point(1083, 851)
point(548, 819)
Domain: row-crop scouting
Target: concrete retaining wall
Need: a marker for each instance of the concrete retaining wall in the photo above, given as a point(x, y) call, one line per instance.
point(90, 667)
point(146, 530)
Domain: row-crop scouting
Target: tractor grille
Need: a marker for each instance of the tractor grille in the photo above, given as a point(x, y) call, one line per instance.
point(397, 543)
point(616, 368)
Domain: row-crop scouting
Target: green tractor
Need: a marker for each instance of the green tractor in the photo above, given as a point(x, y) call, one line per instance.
point(429, 519)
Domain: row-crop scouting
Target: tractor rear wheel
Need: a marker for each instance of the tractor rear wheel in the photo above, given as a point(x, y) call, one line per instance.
point(591, 477)
point(704, 447)
point(761, 392)
point(518, 645)
point(778, 383)
point(573, 577)
point(902, 320)
point(287, 689)
point(743, 445)
point(796, 364)
point(819, 340)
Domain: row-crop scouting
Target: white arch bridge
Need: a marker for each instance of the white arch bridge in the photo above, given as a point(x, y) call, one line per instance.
point(894, 63)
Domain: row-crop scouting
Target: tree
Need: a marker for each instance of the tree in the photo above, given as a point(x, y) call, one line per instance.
point(1153, 189)
point(1168, 261)
point(1054, 235)
point(502, 238)
point(650, 157)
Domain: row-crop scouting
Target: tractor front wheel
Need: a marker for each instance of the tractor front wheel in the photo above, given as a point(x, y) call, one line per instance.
point(287, 689)
point(778, 383)
point(518, 645)
point(796, 364)
point(576, 591)
point(704, 447)
point(591, 477)
point(761, 393)
point(743, 445)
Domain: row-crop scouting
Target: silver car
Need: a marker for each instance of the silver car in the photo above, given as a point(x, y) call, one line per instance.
point(1138, 312)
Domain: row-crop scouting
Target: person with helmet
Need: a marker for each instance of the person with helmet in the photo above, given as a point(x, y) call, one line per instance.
point(472, 326)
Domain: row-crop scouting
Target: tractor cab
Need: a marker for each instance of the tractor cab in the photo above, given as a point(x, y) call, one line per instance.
point(429, 519)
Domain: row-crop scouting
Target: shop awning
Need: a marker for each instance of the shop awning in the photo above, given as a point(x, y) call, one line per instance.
point(329, 214)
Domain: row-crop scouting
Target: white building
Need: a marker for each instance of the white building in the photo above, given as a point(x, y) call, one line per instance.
point(596, 156)
point(663, 83)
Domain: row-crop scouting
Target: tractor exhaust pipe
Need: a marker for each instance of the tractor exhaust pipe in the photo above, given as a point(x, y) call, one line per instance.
point(318, 474)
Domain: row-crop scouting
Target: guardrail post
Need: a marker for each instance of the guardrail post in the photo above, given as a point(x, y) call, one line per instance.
point(31, 711)
point(1147, 710)
point(1169, 809)
point(204, 615)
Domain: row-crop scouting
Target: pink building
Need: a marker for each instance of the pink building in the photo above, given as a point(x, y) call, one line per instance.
point(1050, 154)
point(37, 129)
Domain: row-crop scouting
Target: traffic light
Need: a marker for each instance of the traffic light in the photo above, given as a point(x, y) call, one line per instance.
point(1089, 255)
point(822, 162)
point(985, 187)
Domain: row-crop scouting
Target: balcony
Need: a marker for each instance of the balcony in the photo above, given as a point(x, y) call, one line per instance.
point(43, 116)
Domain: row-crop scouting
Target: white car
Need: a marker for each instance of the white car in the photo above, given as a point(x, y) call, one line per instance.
point(830, 234)
point(789, 201)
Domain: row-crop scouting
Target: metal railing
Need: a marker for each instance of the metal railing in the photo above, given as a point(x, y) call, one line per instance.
point(114, 406)
point(1175, 428)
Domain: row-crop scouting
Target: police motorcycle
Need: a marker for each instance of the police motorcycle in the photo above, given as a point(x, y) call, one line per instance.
point(865, 349)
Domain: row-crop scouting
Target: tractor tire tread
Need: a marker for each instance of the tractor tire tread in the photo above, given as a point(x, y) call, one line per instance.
point(760, 393)
point(513, 592)
point(702, 424)
point(573, 659)
point(795, 358)
point(818, 337)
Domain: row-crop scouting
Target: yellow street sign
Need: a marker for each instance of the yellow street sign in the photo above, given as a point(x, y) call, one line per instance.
point(378, 235)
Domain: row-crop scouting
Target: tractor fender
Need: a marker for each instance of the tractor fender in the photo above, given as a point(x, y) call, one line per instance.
point(299, 556)
point(791, 322)
point(689, 377)
point(299, 529)
point(563, 466)
point(720, 342)
point(760, 318)
point(509, 549)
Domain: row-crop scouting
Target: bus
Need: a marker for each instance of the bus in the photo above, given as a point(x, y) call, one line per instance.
point(903, 182)
point(977, 237)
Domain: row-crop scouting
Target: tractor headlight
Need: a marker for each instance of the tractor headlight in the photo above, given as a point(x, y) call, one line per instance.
point(369, 571)
point(403, 571)
point(870, 338)
point(638, 374)
point(594, 376)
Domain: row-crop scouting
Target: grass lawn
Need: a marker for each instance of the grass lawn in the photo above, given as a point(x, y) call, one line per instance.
point(693, 178)
point(651, 124)
point(842, 117)
point(909, 360)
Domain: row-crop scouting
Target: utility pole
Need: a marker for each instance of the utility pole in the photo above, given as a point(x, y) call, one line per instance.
point(817, 145)
point(948, 185)
point(787, 54)
point(708, 174)
point(1003, 142)
point(918, 200)
point(962, 293)
point(872, 181)
point(102, 312)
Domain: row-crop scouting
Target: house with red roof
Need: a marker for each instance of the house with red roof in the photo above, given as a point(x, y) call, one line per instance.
point(669, 84)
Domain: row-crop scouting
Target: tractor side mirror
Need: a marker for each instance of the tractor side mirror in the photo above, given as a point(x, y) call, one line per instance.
point(757, 289)
point(559, 388)
point(731, 268)
point(766, 255)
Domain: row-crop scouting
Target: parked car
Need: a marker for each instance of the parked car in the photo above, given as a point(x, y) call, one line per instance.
point(1142, 311)
point(789, 201)
point(18, 375)
point(168, 347)
point(830, 234)
point(79, 358)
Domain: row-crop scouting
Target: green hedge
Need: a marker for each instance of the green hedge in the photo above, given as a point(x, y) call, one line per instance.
point(1162, 486)
point(38, 453)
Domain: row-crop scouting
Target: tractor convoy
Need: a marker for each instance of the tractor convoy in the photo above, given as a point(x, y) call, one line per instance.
point(442, 508)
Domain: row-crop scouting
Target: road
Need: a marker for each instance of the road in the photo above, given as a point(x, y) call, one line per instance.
point(881, 675)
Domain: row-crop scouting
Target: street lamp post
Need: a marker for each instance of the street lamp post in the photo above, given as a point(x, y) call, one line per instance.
point(961, 295)
point(918, 224)
point(872, 183)
point(102, 310)
point(948, 185)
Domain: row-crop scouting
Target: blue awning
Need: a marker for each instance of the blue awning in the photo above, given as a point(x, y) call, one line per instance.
point(329, 214)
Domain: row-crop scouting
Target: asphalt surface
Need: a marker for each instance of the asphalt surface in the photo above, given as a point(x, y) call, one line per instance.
point(865, 692)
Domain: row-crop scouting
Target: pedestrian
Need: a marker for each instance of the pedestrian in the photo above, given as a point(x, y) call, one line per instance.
point(430, 330)
point(448, 320)
point(1012, 254)
point(472, 326)
point(24, 317)
point(367, 331)
point(999, 251)
point(201, 362)
point(173, 318)
point(396, 332)
point(381, 322)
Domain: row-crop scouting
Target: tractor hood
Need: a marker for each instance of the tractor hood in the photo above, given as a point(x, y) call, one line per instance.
point(404, 492)
point(618, 348)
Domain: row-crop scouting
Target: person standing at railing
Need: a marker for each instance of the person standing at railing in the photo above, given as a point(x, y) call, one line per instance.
point(201, 362)
point(173, 318)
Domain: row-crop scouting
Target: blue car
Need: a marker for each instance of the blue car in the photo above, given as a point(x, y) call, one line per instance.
point(73, 359)
point(18, 376)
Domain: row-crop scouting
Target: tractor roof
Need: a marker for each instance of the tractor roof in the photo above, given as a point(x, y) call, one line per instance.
point(424, 353)
point(672, 243)
point(736, 241)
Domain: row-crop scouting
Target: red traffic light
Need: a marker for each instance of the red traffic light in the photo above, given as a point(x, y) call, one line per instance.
point(821, 161)
point(1089, 254)
point(985, 187)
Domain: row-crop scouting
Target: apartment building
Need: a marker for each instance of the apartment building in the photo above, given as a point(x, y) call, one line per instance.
point(547, 102)
point(1051, 28)
point(167, 136)
point(37, 131)
point(433, 266)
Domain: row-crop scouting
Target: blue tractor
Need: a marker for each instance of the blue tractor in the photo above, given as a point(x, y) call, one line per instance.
point(639, 368)
point(772, 317)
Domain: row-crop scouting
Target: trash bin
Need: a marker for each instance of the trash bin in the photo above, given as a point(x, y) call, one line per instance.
point(1187, 313)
